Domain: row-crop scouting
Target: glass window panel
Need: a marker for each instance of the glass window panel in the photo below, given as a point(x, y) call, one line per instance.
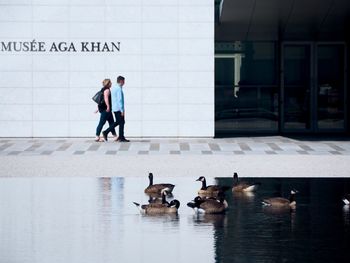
point(257, 61)
point(246, 94)
point(297, 70)
point(330, 80)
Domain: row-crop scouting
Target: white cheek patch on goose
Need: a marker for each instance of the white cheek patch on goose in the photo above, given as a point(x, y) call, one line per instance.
point(225, 204)
point(346, 201)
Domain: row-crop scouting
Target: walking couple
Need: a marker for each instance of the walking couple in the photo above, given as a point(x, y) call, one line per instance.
point(113, 101)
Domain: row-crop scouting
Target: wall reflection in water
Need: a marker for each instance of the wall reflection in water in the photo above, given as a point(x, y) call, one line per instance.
point(94, 220)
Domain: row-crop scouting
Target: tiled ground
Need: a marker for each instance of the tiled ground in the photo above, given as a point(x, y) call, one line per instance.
point(274, 145)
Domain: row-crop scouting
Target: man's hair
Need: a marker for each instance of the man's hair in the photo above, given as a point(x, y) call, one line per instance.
point(120, 78)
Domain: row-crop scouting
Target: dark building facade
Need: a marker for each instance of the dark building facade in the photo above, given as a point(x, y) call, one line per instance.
point(281, 66)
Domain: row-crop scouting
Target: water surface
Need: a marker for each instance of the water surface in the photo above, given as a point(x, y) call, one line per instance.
point(93, 220)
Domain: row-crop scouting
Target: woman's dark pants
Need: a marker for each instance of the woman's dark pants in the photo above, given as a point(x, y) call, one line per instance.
point(105, 116)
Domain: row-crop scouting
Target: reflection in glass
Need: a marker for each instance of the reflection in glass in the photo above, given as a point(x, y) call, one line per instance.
point(330, 79)
point(297, 86)
point(246, 94)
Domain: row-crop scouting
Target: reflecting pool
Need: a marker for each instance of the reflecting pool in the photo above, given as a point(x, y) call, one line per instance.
point(94, 220)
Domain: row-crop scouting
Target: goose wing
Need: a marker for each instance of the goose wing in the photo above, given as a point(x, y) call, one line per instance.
point(170, 186)
point(211, 206)
point(245, 186)
point(154, 205)
point(162, 209)
point(213, 188)
point(240, 186)
point(276, 201)
point(217, 188)
point(157, 188)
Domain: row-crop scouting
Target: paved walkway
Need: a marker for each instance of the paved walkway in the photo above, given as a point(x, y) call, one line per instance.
point(249, 156)
point(235, 146)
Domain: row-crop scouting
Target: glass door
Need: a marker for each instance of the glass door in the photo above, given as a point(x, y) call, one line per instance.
point(313, 87)
point(330, 86)
point(296, 87)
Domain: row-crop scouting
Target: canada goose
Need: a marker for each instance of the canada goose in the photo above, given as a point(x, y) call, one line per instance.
point(239, 186)
point(346, 199)
point(162, 200)
point(282, 202)
point(209, 205)
point(158, 209)
point(156, 188)
point(210, 190)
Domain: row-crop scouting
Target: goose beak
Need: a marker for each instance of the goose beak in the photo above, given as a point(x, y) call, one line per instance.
point(198, 179)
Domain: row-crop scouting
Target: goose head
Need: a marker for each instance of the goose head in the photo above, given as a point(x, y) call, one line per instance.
point(201, 179)
point(165, 191)
point(191, 205)
point(235, 176)
point(174, 203)
point(150, 177)
point(293, 192)
point(221, 197)
point(195, 202)
point(197, 199)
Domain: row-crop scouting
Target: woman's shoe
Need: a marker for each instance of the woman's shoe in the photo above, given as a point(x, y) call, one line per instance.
point(105, 136)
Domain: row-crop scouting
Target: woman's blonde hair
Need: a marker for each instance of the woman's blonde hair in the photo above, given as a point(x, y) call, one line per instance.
point(106, 83)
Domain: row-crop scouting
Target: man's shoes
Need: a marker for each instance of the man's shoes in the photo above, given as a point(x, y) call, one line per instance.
point(123, 140)
point(105, 136)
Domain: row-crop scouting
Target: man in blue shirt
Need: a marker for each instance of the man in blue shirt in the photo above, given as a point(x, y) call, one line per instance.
point(118, 109)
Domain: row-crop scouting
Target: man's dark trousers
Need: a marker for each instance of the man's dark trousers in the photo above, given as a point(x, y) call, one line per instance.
point(119, 120)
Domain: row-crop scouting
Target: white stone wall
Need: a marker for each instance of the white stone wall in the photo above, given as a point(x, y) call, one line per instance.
point(167, 57)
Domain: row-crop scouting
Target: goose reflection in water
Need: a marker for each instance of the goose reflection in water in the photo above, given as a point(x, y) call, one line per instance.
point(277, 211)
point(162, 218)
point(346, 215)
point(244, 196)
point(217, 220)
point(281, 214)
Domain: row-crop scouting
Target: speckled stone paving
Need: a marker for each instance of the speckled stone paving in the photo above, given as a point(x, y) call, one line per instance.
point(275, 145)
